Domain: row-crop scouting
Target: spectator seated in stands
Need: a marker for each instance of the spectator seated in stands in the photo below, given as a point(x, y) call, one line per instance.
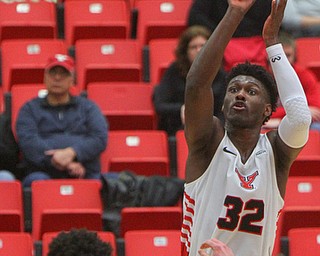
point(60, 135)
point(168, 97)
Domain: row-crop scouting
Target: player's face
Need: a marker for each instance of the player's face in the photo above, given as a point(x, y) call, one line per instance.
point(246, 102)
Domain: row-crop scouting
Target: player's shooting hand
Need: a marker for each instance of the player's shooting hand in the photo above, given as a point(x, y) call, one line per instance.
point(272, 24)
point(244, 5)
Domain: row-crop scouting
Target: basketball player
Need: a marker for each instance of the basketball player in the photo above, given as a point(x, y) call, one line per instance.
point(235, 176)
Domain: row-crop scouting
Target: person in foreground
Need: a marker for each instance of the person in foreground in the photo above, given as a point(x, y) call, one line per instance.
point(61, 135)
point(79, 242)
point(235, 176)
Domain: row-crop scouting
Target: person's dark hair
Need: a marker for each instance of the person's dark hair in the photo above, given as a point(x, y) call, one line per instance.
point(190, 33)
point(79, 242)
point(261, 74)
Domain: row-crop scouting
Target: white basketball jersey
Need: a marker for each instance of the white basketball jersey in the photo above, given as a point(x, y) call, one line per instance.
point(234, 202)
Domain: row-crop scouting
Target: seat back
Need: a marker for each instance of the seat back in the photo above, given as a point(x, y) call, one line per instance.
point(302, 204)
point(144, 152)
point(150, 218)
point(27, 20)
point(127, 106)
point(161, 19)
point(308, 161)
point(301, 208)
point(304, 241)
point(95, 19)
point(23, 61)
point(11, 207)
point(107, 61)
point(64, 204)
point(105, 236)
point(16, 243)
point(308, 53)
point(18, 96)
point(155, 242)
point(161, 54)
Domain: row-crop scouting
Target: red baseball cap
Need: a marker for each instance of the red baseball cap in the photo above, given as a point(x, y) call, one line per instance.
point(61, 60)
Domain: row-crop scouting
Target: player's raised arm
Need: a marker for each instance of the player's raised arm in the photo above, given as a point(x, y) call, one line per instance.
point(200, 125)
point(293, 130)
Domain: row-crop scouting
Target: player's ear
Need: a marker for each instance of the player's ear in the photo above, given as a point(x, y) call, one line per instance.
point(268, 110)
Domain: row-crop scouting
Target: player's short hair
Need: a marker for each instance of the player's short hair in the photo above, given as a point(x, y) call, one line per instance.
point(261, 74)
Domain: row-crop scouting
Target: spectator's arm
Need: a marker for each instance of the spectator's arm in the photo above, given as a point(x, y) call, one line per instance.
point(31, 144)
point(95, 141)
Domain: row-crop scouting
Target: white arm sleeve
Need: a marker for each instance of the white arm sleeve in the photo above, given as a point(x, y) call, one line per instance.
point(294, 127)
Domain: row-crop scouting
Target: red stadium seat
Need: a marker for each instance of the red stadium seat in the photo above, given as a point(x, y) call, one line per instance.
point(103, 235)
point(127, 106)
point(302, 206)
point(107, 61)
point(16, 243)
point(161, 54)
point(11, 207)
point(144, 152)
point(155, 243)
point(23, 61)
point(95, 19)
point(308, 161)
point(64, 204)
point(161, 19)
point(304, 241)
point(150, 218)
point(29, 19)
point(308, 53)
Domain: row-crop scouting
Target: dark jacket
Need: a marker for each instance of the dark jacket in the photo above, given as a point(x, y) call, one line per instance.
point(78, 124)
point(168, 98)
point(210, 12)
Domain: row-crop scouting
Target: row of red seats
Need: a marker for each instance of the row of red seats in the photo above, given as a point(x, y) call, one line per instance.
point(134, 144)
point(155, 242)
point(94, 19)
point(302, 241)
point(133, 141)
point(23, 61)
point(103, 60)
point(63, 204)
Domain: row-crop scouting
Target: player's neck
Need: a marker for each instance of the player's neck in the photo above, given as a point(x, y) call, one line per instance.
point(245, 140)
